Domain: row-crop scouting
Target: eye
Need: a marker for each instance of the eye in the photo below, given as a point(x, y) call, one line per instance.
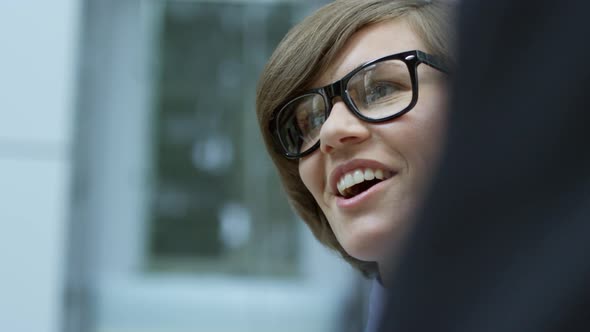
point(379, 91)
point(314, 123)
point(317, 120)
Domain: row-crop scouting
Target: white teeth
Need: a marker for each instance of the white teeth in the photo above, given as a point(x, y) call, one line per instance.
point(379, 174)
point(369, 175)
point(358, 175)
point(348, 181)
point(340, 186)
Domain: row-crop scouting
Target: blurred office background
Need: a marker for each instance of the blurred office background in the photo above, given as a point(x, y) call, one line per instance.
point(136, 195)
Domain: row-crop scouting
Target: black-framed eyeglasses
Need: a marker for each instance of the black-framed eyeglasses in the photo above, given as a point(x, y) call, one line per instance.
point(377, 91)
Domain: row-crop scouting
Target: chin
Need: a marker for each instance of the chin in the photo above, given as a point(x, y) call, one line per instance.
point(371, 240)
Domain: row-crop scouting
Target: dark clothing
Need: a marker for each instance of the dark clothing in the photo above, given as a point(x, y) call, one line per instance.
point(503, 242)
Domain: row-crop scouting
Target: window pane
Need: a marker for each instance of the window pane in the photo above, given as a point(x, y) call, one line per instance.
point(217, 204)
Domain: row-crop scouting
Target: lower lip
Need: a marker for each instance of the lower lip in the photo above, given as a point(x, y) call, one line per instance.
point(360, 199)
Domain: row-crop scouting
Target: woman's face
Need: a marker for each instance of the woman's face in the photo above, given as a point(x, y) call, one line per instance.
point(405, 150)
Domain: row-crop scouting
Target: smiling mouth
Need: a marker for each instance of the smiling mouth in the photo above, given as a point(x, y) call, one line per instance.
point(360, 180)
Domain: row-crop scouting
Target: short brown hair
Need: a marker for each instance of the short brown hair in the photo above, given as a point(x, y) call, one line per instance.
point(306, 52)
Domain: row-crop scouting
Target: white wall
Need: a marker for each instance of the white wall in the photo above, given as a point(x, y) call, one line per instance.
point(38, 47)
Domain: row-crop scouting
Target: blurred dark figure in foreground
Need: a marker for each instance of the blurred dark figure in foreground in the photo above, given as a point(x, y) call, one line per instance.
point(503, 242)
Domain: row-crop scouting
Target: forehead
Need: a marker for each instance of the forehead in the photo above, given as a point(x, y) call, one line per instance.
point(369, 43)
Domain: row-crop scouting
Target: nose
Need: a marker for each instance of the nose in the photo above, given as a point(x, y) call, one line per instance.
point(341, 129)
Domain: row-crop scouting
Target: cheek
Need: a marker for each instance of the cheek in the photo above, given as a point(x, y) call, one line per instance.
point(418, 136)
point(431, 118)
point(309, 171)
point(429, 138)
point(435, 126)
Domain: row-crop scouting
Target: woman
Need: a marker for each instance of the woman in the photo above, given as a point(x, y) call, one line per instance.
point(352, 110)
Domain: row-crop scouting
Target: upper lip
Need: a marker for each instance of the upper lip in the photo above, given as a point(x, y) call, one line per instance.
point(342, 169)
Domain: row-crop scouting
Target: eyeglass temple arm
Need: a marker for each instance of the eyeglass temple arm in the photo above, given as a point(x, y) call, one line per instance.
point(434, 61)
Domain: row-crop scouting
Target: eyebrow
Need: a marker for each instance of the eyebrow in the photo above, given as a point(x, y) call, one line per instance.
point(333, 77)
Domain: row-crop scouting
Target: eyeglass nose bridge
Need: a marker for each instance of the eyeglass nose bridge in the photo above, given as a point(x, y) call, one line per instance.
point(332, 91)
